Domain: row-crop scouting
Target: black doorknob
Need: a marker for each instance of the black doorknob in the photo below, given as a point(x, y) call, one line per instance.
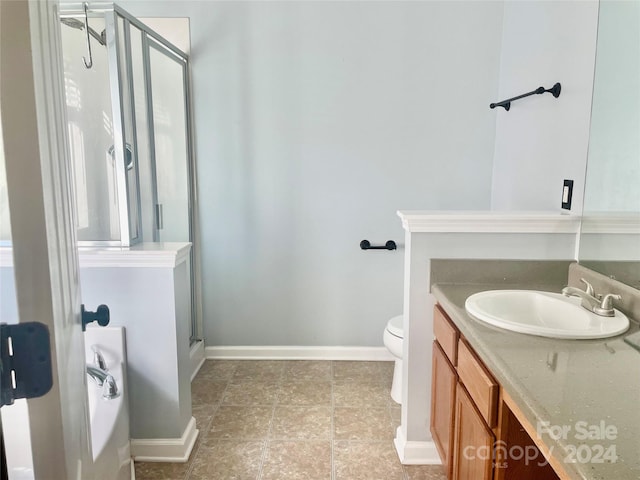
point(101, 315)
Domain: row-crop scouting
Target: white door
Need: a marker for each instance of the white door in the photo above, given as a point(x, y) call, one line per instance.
point(45, 437)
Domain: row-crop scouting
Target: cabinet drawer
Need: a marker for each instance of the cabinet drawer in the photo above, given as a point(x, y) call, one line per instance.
point(481, 386)
point(446, 334)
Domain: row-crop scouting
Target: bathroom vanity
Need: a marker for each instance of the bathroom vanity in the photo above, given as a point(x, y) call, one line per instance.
point(503, 402)
point(470, 415)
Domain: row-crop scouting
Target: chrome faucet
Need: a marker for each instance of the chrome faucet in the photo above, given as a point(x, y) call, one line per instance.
point(104, 380)
point(592, 302)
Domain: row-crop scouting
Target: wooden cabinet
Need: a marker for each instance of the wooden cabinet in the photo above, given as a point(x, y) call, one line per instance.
point(473, 441)
point(443, 394)
point(446, 334)
point(481, 386)
point(469, 416)
point(518, 467)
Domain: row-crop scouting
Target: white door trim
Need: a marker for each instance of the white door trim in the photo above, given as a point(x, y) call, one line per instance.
point(44, 254)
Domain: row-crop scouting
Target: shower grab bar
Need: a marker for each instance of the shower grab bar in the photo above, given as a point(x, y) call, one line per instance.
point(366, 245)
point(506, 104)
point(88, 64)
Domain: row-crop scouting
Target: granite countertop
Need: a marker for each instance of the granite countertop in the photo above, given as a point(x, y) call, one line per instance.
point(563, 382)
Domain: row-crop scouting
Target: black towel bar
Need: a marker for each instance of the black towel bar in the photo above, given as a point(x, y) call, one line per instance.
point(506, 104)
point(366, 245)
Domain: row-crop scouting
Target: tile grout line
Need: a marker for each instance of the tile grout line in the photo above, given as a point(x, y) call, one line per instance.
point(206, 430)
point(266, 440)
point(333, 429)
point(277, 398)
point(390, 406)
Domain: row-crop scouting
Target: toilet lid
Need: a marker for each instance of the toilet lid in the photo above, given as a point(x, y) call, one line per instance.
point(395, 326)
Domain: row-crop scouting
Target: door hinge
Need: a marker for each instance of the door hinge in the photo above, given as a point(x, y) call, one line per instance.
point(25, 361)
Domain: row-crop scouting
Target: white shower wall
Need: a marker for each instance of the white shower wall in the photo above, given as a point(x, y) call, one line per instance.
point(88, 99)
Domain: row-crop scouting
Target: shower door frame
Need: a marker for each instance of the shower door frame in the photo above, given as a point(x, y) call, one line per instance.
point(119, 139)
point(149, 42)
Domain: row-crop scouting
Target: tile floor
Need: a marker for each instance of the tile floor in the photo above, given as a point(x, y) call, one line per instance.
point(281, 420)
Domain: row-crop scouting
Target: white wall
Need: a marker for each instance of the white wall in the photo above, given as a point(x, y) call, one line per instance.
point(315, 122)
point(152, 304)
point(614, 145)
point(543, 140)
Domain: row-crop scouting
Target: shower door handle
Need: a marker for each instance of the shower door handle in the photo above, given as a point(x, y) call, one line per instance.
point(159, 219)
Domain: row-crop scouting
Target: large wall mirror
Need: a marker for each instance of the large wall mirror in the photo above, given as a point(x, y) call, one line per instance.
point(610, 235)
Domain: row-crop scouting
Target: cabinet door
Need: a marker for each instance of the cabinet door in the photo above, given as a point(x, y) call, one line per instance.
point(443, 392)
point(473, 442)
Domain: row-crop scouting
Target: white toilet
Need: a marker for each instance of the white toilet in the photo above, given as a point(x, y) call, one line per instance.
point(393, 336)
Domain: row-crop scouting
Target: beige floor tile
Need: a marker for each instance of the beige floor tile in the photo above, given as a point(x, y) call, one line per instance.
point(285, 414)
point(250, 393)
point(373, 372)
point(307, 370)
point(248, 423)
point(386, 369)
point(425, 472)
point(362, 424)
point(396, 419)
point(203, 415)
point(301, 423)
point(207, 392)
point(361, 395)
point(168, 471)
point(160, 471)
point(302, 460)
point(217, 370)
point(259, 370)
point(366, 461)
point(396, 412)
point(305, 393)
point(227, 460)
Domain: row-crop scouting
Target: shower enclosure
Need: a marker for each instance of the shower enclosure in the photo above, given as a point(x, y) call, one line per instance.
point(130, 132)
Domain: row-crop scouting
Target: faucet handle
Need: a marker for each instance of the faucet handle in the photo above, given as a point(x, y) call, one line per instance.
point(110, 388)
point(607, 301)
point(98, 359)
point(589, 288)
point(606, 307)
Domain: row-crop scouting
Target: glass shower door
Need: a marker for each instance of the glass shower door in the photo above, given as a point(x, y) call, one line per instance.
point(169, 115)
point(170, 144)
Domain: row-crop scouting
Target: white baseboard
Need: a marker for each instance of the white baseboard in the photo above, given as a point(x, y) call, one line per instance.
point(166, 449)
point(196, 356)
point(369, 354)
point(416, 453)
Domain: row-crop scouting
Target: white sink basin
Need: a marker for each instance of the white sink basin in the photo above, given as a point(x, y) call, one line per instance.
point(544, 314)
